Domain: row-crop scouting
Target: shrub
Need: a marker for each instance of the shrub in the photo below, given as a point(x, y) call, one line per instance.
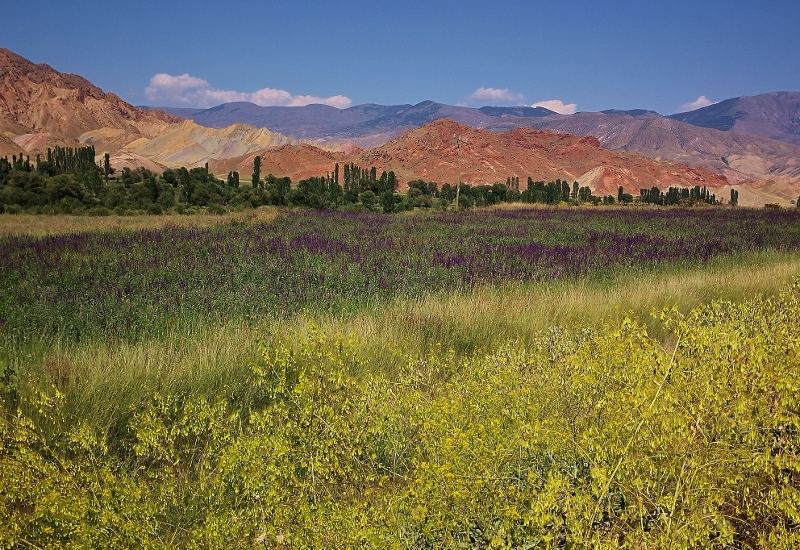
point(99, 211)
point(155, 209)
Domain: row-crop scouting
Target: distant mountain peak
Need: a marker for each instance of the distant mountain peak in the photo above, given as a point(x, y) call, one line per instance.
point(635, 113)
point(522, 111)
point(775, 115)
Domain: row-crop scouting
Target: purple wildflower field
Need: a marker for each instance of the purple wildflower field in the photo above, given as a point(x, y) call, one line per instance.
point(131, 284)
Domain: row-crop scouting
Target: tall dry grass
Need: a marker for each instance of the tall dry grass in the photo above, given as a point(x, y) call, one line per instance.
point(105, 382)
point(29, 224)
point(489, 316)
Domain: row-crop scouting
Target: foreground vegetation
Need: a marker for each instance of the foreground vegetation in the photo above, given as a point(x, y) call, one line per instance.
point(507, 385)
point(111, 316)
point(593, 437)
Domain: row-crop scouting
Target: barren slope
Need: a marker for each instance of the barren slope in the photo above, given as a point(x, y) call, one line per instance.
point(187, 144)
point(38, 99)
point(296, 161)
point(430, 153)
point(775, 115)
point(740, 157)
point(8, 147)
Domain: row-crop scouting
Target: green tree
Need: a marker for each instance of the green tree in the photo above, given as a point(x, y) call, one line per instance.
point(565, 191)
point(387, 201)
point(257, 171)
point(107, 166)
point(368, 199)
point(170, 177)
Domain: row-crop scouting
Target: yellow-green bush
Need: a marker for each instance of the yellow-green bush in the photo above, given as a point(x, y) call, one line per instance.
point(594, 438)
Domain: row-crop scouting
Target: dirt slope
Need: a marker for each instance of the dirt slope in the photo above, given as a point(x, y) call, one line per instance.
point(38, 99)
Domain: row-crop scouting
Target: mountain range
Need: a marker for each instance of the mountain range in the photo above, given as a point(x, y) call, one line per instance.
point(363, 125)
point(430, 153)
point(746, 139)
point(775, 115)
point(749, 142)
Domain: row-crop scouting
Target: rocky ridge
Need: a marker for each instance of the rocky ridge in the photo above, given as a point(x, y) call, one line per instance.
point(430, 153)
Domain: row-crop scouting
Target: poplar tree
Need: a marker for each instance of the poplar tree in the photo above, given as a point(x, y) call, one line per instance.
point(106, 165)
point(256, 171)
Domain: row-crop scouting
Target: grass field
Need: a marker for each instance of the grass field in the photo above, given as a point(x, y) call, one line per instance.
point(194, 309)
point(113, 307)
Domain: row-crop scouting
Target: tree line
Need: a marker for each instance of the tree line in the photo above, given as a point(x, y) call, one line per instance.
point(678, 195)
point(69, 180)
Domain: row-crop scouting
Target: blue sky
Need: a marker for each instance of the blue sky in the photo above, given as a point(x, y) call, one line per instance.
point(584, 55)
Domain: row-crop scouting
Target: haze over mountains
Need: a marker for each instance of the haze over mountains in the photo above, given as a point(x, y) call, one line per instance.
point(774, 115)
point(750, 142)
point(363, 125)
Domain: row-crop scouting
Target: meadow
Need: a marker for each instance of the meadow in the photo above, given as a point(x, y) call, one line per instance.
point(515, 377)
point(131, 284)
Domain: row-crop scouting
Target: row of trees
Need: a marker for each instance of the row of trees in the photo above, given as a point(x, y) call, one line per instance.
point(554, 192)
point(681, 195)
point(68, 180)
point(360, 186)
point(421, 193)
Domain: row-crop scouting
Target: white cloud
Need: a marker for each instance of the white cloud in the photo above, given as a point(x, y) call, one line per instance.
point(496, 95)
point(185, 89)
point(698, 103)
point(558, 106)
point(165, 83)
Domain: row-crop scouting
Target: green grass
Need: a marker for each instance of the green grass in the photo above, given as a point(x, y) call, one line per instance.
point(110, 313)
point(493, 315)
